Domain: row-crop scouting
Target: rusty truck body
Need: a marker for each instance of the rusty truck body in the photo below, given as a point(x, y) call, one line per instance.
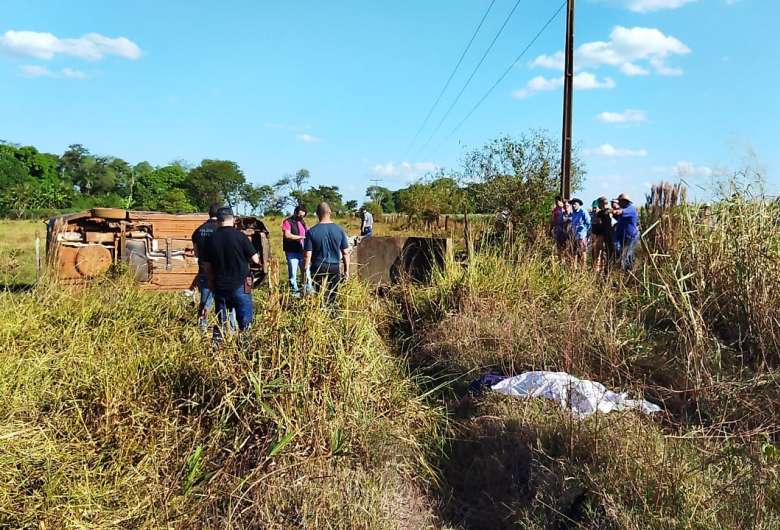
point(156, 247)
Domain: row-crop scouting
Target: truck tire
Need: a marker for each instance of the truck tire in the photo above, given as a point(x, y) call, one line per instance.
point(114, 214)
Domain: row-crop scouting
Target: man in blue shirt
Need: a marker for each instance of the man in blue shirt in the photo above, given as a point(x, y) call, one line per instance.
point(325, 247)
point(580, 230)
point(626, 231)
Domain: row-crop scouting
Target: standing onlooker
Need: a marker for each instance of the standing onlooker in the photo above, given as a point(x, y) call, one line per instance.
point(602, 244)
point(226, 261)
point(557, 228)
point(200, 237)
point(580, 230)
point(293, 235)
point(366, 223)
point(626, 231)
point(326, 246)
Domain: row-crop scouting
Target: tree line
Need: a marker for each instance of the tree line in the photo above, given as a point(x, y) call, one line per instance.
point(516, 175)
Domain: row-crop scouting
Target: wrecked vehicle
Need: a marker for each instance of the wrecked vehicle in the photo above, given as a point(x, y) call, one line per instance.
point(156, 247)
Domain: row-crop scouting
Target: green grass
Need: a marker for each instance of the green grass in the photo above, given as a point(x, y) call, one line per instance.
point(17, 250)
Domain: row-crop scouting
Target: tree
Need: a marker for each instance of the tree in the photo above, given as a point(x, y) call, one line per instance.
point(518, 175)
point(381, 196)
point(154, 184)
point(215, 181)
point(175, 200)
point(310, 198)
point(350, 206)
point(260, 199)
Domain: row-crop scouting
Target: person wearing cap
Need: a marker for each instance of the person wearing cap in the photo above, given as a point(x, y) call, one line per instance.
point(200, 237)
point(580, 230)
point(326, 246)
point(626, 231)
point(226, 260)
point(293, 235)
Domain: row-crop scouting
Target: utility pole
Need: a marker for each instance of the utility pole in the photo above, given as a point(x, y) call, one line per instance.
point(568, 97)
point(376, 185)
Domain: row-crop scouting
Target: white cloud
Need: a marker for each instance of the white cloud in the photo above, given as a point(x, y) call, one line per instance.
point(404, 171)
point(73, 74)
point(645, 6)
point(308, 138)
point(627, 116)
point(92, 46)
point(582, 81)
point(687, 169)
point(34, 70)
point(609, 150)
point(625, 48)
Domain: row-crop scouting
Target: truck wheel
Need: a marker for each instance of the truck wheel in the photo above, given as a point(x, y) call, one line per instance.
point(114, 214)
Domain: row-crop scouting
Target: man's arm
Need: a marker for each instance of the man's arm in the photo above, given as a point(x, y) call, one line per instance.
point(209, 270)
point(288, 233)
point(255, 258)
point(345, 256)
point(306, 260)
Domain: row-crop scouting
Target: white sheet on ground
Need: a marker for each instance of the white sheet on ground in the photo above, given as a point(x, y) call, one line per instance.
point(580, 396)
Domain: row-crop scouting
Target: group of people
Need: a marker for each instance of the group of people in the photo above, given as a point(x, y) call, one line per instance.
point(610, 230)
point(224, 255)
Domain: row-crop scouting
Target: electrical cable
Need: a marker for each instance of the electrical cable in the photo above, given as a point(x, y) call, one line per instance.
point(473, 73)
point(503, 76)
point(452, 75)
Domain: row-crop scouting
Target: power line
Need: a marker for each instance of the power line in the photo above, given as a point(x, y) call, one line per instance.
point(452, 74)
point(506, 72)
point(473, 72)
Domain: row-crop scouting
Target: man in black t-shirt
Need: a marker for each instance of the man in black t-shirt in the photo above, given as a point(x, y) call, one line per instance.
point(226, 261)
point(200, 237)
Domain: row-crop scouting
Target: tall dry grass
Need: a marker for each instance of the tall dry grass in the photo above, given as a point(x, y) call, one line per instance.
point(116, 413)
point(693, 328)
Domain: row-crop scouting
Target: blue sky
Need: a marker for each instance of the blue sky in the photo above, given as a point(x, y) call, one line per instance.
point(666, 88)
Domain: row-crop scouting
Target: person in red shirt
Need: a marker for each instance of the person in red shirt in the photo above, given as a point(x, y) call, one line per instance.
point(294, 233)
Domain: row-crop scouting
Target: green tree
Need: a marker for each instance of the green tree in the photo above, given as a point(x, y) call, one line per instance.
point(260, 199)
point(215, 181)
point(350, 206)
point(152, 186)
point(520, 175)
point(313, 196)
point(175, 200)
point(383, 197)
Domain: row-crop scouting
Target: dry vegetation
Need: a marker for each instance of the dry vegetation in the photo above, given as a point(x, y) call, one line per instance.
point(116, 414)
point(694, 329)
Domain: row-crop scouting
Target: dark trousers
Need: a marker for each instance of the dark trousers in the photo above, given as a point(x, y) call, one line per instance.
point(227, 302)
point(328, 276)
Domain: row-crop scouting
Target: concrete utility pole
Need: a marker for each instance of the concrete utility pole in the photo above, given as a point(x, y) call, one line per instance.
point(568, 96)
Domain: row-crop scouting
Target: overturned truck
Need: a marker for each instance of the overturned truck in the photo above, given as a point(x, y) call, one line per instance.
point(156, 247)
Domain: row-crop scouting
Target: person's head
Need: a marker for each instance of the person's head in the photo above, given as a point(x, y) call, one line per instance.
point(615, 204)
point(225, 216)
point(624, 200)
point(323, 211)
point(559, 201)
point(213, 207)
point(299, 212)
point(576, 204)
point(602, 202)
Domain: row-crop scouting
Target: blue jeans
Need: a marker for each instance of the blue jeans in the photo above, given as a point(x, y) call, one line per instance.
point(328, 276)
point(626, 250)
point(207, 302)
point(233, 301)
point(367, 231)
point(294, 264)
